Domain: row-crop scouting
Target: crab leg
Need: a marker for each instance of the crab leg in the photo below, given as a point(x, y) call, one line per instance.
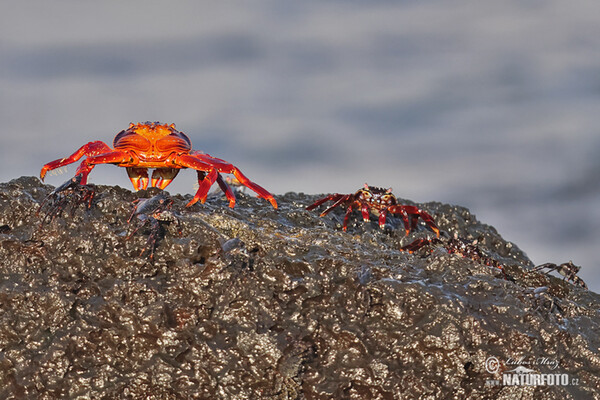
point(205, 185)
point(227, 190)
point(202, 160)
point(89, 149)
point(112, 157)
point(382, 218)
point(346, 218)
point(334, 197)
point(338, 202)
point(416, 245)
point(400, 210)
point(365, 213)
point(262, 192)
point(415, 213)
point(205, 180)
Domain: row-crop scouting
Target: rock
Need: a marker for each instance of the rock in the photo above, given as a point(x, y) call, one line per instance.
point(257, 303)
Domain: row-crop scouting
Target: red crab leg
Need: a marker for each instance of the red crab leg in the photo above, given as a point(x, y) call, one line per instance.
point(113, 157)
point(415, 213)
point(262, 192)
point(205, 185)
point(382, 218)
point(428, 219)
point(415, 245)
point(337, 203)
point(334, 197)
point(365, 213)
point(227, 190)
point(346, 218)
point(205, 180)
point(89, 149)
point(400, 210)
point(228, 168)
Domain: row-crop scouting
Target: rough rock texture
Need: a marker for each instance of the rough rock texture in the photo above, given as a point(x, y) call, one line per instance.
point(253, 303)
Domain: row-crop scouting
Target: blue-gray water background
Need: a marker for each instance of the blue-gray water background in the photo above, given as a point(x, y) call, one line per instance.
point(490, 105)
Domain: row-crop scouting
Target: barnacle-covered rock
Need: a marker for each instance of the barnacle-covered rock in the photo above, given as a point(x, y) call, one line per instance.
point(257, 303)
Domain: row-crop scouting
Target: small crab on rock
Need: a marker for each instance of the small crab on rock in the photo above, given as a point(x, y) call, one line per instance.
point(164, 148)
point(68, 195)
point(466, 249)
point(379, 201)
point(458, 246)
point(567, 270)
point(153, 211)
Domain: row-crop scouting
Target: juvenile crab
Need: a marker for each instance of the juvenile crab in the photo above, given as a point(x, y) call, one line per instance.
point(153, 211)
point(458, 246)
point(567, 270)
point(153, 145)
point(380, 202)
point(471, 250)
point(68, 195)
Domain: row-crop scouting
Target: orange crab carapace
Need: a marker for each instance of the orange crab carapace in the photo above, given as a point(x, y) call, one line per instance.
point(164, 148)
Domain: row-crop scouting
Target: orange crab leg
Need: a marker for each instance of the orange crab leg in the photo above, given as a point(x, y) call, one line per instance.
point(205, 185)
point(227, 190)
point(198, 158)
point(89, 149)
point(262, 192)
point(205, 180)
point(112, 157)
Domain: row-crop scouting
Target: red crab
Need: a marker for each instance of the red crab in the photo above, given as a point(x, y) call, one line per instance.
point(379, 201)
point(153, 145)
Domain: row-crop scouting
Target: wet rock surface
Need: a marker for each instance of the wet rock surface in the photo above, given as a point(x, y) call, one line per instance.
point(257, 303)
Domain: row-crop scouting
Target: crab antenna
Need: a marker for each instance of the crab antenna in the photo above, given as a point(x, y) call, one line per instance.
point(366, 186)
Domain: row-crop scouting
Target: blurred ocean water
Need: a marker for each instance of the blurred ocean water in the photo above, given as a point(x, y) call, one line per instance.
point(493, 106)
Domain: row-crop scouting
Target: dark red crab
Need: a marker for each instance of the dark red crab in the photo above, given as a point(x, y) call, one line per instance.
point(153, 145)
point(467, 249)
point(380, 202)
point(456, 245)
